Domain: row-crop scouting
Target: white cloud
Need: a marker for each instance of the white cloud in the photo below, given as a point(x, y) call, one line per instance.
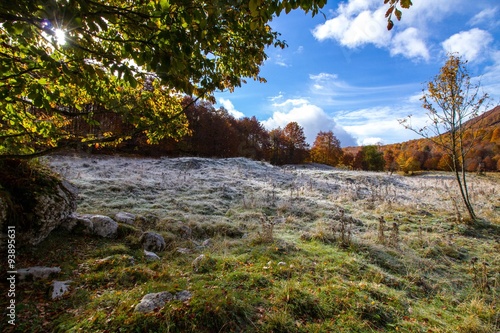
point(357, 6)
point(487, 16)
point(369, 125)
point(489, 80)
point(276, 98)
point(424, 11)
point(228, 105)
point(330, 90)
point(470, 44)
point(410, 44)
point(371, 141)
point(279, 60)
point(353, 29)
point(361, 22)
point(312, 118)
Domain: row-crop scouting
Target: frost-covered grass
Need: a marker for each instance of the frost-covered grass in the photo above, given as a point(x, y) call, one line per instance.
point(186, 187)
point(294, 249)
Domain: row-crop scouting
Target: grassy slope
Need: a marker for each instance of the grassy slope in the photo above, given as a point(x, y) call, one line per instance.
point(300, 278)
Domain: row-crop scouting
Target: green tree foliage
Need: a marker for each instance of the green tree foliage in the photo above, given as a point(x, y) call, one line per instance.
point(453, 104)
point(373, 159)
point(394, 10)
point(326, 149)
point(130, 58)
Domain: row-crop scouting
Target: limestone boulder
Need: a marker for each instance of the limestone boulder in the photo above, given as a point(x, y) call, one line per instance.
point(37, 272)
point(34, 200)
point(151, 241)
point(153, 301)
point(104, 226)
point(79, 223)
point(124, 217)
point(52, 206)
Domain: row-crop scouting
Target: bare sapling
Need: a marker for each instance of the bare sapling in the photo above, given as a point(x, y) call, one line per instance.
point(453, 103)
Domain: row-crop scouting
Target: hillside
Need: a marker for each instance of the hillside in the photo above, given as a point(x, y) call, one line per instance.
point(285, 249)
point(485, 155)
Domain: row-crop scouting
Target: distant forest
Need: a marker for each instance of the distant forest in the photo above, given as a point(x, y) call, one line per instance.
point(216, 133)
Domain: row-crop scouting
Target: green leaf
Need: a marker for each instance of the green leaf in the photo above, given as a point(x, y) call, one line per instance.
point(398, 14)
point(406, 3)
point(165, 4)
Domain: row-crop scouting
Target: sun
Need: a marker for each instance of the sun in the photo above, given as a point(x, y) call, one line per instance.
point(60, 36)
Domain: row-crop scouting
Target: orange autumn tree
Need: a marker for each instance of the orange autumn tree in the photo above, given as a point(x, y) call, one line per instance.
point(326, 149)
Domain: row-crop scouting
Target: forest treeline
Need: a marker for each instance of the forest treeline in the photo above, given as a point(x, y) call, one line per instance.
point(216, 133)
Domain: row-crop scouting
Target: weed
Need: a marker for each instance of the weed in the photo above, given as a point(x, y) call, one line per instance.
point(381, 230)
point(345, 229)
point(479, 272)
point(267, 229)
point(394, 237)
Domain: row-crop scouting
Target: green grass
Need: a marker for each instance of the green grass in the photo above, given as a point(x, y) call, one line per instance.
point(288, 285)
point(440, 276)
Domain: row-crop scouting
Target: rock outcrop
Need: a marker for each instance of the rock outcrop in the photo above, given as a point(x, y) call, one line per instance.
point(51, 207)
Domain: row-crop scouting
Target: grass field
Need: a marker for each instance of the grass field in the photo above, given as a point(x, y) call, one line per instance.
point(293, 249)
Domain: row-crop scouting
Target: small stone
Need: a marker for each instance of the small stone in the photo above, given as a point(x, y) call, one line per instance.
point(151, 255)
point(153, 301)
point(124, 217)
point(197, 261)
point(183, 250)
point(152, 241)
point(37, 272)
point(60, 288)
point(104, 226)
point(183, 296)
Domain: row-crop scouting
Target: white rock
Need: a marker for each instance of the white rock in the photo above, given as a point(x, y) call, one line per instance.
point(37, 272)
point(197, 261)
point(51, 207)
point(183, 296)
point(152, 241)
point(60, 288)
point(124, 217)
point(75, 220)
point(104, 226)
point(153, 301)
point(151, 255)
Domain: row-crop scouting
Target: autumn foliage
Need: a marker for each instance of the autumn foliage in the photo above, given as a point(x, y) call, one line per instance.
point(424, 155)
point(216, 133)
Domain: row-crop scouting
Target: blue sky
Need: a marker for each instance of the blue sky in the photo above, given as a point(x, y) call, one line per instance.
point(348, 74)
